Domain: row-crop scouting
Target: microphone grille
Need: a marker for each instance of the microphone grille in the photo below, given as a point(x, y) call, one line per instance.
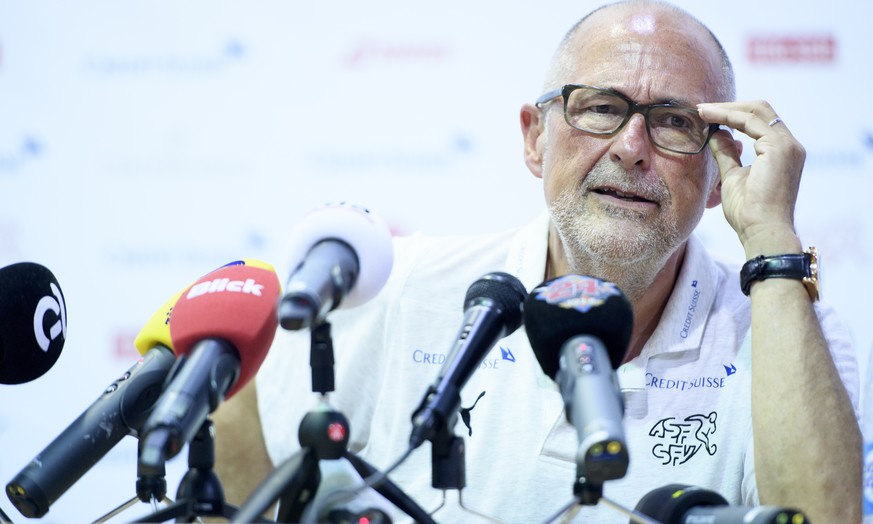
point(504, 289)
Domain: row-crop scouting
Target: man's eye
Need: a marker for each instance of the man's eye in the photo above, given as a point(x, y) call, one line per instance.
point(603, 109)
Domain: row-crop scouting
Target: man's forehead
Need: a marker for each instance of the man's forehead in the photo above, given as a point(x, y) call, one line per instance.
point(662, 55)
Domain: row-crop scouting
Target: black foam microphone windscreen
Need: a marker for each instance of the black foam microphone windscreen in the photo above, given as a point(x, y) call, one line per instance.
point(33, 322)
point(561, 308)
point(683, 504)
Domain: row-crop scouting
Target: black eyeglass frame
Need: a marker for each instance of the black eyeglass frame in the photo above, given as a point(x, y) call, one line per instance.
point(633, 107)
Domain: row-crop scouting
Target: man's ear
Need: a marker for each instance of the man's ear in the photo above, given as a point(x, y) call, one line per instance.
point(714, 198)
point(532, 120)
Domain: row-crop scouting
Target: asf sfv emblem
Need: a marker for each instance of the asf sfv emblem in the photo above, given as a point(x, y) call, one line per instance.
point(678, 441)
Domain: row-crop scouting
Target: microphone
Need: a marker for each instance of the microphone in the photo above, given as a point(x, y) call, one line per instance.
point(341, 256)
point(222, 326)
point(33, 322)
point(492, 310)
point(119, 411)
point(157, 329)
point(579, 328)
point(681, 504)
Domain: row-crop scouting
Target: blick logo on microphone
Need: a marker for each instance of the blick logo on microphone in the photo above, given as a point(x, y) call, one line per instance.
point(221, 285)
point(56, 305)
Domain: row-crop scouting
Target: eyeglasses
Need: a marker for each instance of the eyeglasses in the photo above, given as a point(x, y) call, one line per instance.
point(604, 112)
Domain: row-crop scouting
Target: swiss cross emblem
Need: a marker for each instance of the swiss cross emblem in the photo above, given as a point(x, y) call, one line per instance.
point(336, 432)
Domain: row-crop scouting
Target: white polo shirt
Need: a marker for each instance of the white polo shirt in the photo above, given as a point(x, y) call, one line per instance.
point(687, 396)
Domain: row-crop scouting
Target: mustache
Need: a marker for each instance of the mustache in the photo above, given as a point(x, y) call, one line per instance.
point(606, 174)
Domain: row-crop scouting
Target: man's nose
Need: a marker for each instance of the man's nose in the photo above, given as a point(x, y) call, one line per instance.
point(631, 146)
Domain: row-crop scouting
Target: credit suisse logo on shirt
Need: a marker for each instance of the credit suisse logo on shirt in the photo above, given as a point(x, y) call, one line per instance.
point(692, 309)
point(491, 361)
point(691, 383)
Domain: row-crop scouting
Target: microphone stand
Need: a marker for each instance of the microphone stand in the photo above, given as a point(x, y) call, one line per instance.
point(295, 482)
point(151, 488)
point(448, 467)
point(588, 493)
point(200, 492)
point(305, 481)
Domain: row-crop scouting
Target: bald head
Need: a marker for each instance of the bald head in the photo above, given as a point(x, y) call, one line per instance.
point(660, 27)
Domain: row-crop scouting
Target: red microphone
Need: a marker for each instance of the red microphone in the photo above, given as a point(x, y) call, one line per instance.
point(221, 329)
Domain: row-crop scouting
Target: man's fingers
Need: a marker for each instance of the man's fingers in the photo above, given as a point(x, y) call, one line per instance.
point(751, 118)
point(725, 151)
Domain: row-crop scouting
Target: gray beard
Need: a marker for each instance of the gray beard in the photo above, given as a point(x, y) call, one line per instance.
point(615, 244)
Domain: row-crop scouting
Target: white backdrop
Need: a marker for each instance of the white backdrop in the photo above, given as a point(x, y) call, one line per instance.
point(145, 143)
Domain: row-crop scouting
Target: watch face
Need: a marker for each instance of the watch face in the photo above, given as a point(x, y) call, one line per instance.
point(813, 281)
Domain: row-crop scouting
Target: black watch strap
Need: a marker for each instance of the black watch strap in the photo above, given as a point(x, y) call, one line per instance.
point(777, 266)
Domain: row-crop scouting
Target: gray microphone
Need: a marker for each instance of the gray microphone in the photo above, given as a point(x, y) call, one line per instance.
point(579, 328)
point(593, 403)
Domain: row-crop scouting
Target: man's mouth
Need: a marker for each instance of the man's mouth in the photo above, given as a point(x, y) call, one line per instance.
point(621, 195)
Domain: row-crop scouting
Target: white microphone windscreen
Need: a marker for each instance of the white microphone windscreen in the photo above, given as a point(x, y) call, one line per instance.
point(367, 235)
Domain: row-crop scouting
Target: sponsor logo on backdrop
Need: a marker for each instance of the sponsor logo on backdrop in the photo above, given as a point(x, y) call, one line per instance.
point(199, 255)
point(122, 347)
point(438, 156)
point(835, 158)
point(16, 155)
point(225, 54)
point(370, 52)
point(792, 48)
point(435, 153)
point(855, 155)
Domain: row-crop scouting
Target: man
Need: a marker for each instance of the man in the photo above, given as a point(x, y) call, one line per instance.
point(739, 395)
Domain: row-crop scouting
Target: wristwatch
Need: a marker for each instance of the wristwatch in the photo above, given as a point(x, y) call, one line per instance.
point(804, 267)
